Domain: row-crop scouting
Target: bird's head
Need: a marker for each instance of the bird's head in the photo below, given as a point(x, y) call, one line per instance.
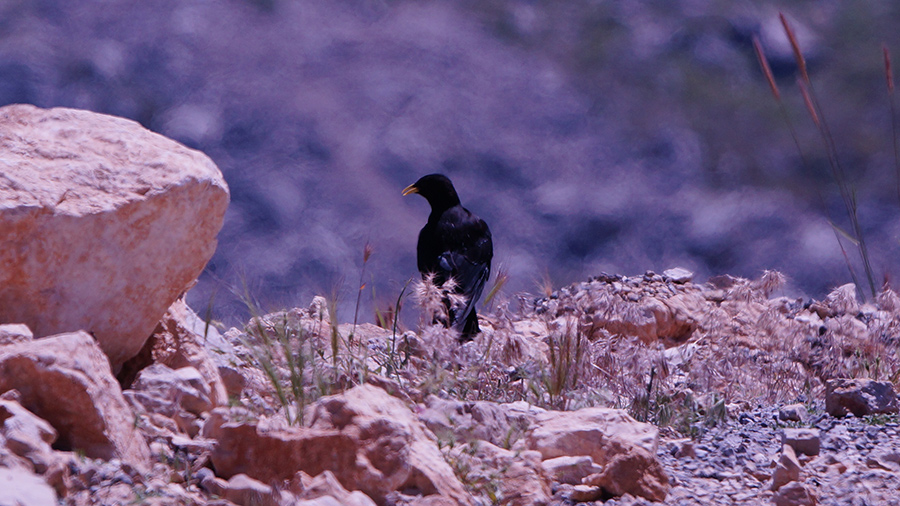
point(437, 190)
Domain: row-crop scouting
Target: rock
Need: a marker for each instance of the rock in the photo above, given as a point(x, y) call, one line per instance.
point(182, 339)
point(11, 333)
point(636, 472)
point(499, 424)
point(327, 485)
point(859, 396)
point(245, 491)
point(585, 493)
point(320, 501)
point(570, 470)
point(792, 413)
point(787, 469)
point(805, 441)
point(66, 380)
point(163, 390)
point(273, 453)
point(520, 478)
point(600, 433)
point(678, 275)
point(21, 488)
point(681, 448)
point(794, 494)
point(106, 224)
point(671, 320)
point(396, 451)
point(26, 435)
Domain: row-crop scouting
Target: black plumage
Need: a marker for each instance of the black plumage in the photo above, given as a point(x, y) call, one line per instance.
point(456, 244)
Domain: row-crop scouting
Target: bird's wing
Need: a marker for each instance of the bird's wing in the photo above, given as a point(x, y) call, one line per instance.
point(466, 256)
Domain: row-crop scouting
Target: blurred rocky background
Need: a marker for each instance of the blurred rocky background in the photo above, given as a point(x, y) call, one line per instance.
point(592, 136)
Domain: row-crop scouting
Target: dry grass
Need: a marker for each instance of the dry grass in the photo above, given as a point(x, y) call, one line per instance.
point(607, 342)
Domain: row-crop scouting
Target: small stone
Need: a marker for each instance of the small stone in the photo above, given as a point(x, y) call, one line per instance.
point(804, 441)
point(585, 493)
point(792, 413)
point(787, 469)
point(679, 275)
point(570, 469)
point(681, 448)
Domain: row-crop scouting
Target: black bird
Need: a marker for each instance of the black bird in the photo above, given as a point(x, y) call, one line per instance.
point(453, 244)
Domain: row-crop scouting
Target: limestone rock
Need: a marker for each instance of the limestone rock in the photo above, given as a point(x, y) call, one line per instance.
point(787, 469)
point(271, 453)
point(166, 390)
point(636, 472)
point(26, 435)
point(106, 224)
point(671, 320)
point(519, 476)
point(396, 451)
point(327, 485)
point(624, 447)
point(794, 494)
point(499, 424)
point(66, 380)
point(245, 491)
point(14, 333)
point(792, 413)
point(679, 275)
point(570, 470)
point(182, 339)
point(21, 488)
point(859, 396)
point(585, 493)
point(599, 433)
point(805, 441)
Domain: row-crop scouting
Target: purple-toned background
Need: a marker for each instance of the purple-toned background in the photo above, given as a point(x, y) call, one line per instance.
point(592, 136)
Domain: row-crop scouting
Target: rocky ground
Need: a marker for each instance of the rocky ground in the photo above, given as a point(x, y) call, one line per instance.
point(619, 390)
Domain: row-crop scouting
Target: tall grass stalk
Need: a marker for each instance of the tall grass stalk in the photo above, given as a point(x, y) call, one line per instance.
point(367, 252)
point(770, 78)
point(499, 282)
point(889, 77)
point(848, 195)
point(265, 352)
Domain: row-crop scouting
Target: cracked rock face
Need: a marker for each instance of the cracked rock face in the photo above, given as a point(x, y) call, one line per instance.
point(105, 224)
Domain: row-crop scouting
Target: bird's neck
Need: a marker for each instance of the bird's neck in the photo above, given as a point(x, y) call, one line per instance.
point(438, 211)
point(440, 204)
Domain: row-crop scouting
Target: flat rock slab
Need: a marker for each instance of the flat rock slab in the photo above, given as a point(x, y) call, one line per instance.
point(104, 223)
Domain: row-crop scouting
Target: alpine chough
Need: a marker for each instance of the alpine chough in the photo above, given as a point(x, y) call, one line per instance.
point(454, 244)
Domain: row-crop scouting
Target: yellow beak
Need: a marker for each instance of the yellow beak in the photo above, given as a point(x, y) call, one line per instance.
point(409, 190)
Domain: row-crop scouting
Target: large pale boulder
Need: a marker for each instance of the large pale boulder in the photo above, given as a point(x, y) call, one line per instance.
point(104, 223)
point(66, 380)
